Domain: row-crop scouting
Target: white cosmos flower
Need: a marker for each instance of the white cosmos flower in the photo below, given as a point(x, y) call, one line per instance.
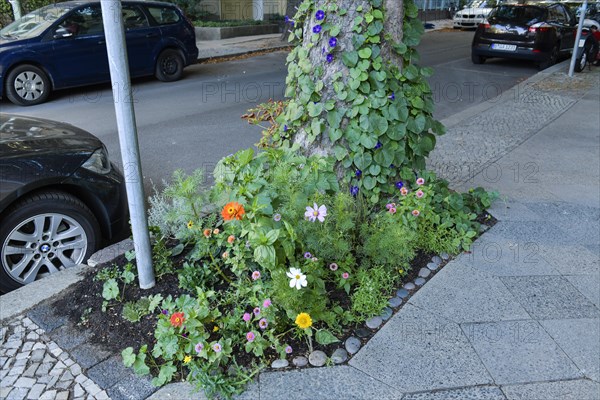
point(297, 278)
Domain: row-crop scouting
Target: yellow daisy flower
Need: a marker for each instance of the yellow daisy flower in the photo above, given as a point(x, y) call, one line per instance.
point(187, 359)
point(303, 321)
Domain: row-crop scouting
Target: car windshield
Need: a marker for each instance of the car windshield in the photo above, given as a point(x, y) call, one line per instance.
point(477, 4)
point(34, 23)
point(518, 14)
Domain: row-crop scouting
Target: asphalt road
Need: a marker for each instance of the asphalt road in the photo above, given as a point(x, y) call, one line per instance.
point(194, 122)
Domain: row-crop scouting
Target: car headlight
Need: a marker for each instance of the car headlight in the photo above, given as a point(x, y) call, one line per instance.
point(98, 162)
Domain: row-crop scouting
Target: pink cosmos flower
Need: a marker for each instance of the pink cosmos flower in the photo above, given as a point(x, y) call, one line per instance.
point(316, 213)
point(217, 347)
point(256, 311)
point(199, 347)
point(247, 317)
point(288, 349)
point(267, 303)
point(250, 336)
point(404, 191)
point(388, 206)
point(333, 266)
point(345, 275)
point(420, 181)
point(255, 275)
point(392, 210)
point(416, 213)
point(420, 193)
point(263, 323)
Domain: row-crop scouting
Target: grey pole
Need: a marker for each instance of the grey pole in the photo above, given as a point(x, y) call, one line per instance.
point(577, 37)
point(132, 169)
point(16, 7)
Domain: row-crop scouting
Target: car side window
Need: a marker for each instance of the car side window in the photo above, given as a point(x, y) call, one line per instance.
point(134, 18)
point(555, 15)
point(164, 15)
point(83, 21)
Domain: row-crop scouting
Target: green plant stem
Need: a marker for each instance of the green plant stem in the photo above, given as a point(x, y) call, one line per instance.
point(286, 332)
point(219, 269)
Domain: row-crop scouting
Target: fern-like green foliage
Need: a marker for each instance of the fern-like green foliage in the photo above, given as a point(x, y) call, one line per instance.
point(370, 298)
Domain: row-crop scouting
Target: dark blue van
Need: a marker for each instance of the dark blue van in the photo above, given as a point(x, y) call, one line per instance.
point(62, 45)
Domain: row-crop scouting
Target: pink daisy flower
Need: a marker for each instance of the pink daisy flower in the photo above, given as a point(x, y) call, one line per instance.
point(199, 347)
point(392, 210)
point(404, 191)
point(217, 347)
point(333, 266)
point(250, 336)
point(416, 213)
point(420, 181)
point(345, 275)
point(255, 275)
point(288, 349)
point(420, 193)
point(267, 303)
point(263, 323)
point(247, 317)
point(256, 311)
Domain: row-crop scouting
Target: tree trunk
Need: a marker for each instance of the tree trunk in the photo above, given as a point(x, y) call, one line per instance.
point(355, 94)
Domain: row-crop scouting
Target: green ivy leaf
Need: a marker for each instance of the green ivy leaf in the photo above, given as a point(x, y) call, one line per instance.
point(363, 160)
point(379, 124)
point(368, 140)
point(334, 119)
point(314, 109)
point(369, 182)
point(350, 58)
point(340, 152)
point(365, 52)
point(324, 337)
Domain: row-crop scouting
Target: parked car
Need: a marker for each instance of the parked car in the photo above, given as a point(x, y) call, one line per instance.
point(472, 15)
point(62, 45)
point(539, 33)
point(60, 198)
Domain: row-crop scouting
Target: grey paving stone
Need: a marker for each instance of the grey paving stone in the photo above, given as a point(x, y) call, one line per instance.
point(25, 382)
point(424, 272)
point(531, 231)
point(571, 260)
point(550, 297)
point(417, 350)
point(352, 344)
point(36, 391)
point(17, 394)
point(420, 281)
point(30, 371)
point(37, 355)
point(395, 302)
point(88, 355)
point(588, 285)
point(317, 358)
point(374, 323)
point(579, 338)
point(402, 293)
point(409, 286)
point(436, 260)
point(67, 337)
point(300, 361)
point(519, 352)
point(44, 316)
point(278, 364)
point(470, 393)
point(340, 382)
point(501, 257)
point(563, 390)
point(462, 294)
point(362, 332)
point(109, 372)
point(512, 210)
point(432, 266)
point(48, 395)
point(132, 388)
point(339, 356)
point(386, 313)
point(177, 391)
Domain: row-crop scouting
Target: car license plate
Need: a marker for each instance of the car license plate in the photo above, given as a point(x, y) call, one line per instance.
point(581, 42)
point(505, 47)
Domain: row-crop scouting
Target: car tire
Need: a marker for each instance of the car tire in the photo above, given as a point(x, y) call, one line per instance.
point(27, 85)
point(552, 58)
point(42, 234)
point(581, 62)
point(169, 65)
point(477, 59)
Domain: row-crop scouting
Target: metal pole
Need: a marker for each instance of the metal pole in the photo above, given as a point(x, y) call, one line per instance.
point(16, 7)
point(577, 38)
point(119, 75)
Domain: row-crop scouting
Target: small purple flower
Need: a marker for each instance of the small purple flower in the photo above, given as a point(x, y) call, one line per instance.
point(319, 15)
point(392, 210)
point(307, 255)
point(333, 267)
point(184, 334)
point(392, 166)
point(378, 145)
point(267, 303)
point(277, 217)
point(317, 29)
point(332, 42)
point(247, 317)
point(358, 173)
point(329, 58)
point(289, 350)
point(354, 190)
point(399, 185)
point(289, 20)
point(165, 312)
point(199, 347)
point(256, 311)
point(217, 347)
point(263, 323)
point(392, 96)
point(250, 336)
point(285, 128)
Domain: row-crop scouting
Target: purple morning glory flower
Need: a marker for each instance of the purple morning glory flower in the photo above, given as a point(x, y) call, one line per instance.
point(329, 58)
point(358, 173)
point(399, 185)
point(332, 42)
point(319, 15)
point(354, 190)
point(392, 96)
point(285, 128)
point(307, 255)
point(392, 166)
point(317, 29)
point(165, 312)
point(289, 20)
point(378, 145)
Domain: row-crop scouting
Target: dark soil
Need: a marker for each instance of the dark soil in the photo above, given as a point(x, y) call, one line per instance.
point(83, 305)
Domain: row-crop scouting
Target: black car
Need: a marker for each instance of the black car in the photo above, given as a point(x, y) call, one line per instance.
point(63, 45)
point(60, 198)
point(541, 33)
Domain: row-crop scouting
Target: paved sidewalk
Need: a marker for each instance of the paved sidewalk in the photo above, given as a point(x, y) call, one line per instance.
point(517, 318)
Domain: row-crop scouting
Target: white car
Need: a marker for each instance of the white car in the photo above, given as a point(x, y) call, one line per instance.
point(475, 13)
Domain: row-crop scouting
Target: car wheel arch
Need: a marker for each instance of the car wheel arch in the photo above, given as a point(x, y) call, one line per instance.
point(32, 63)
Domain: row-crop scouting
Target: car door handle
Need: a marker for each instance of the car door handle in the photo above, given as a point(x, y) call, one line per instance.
point(151, 35)
point(101, 41)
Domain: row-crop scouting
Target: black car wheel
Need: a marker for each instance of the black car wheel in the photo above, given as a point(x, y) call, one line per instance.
point(477, 59)
point(581, 62)
point(27, 85)
point(551, 60)
point(42, 234)
point(169, 65)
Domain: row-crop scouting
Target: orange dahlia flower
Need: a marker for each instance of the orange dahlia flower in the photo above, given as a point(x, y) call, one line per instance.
point(233, 210)
point(177, 319)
